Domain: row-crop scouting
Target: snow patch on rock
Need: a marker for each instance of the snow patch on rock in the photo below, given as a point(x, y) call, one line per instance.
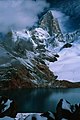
point(65, 105)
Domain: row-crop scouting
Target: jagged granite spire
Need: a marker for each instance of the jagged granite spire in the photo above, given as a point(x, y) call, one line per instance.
point(49, 23)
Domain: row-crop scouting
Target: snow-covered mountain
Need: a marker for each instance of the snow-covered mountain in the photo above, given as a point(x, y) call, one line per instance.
point(27, 57)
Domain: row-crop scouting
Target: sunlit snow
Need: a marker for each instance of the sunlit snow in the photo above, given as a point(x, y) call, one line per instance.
point(68, 65)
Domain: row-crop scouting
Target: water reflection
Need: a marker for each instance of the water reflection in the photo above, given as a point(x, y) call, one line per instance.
point(41, 100)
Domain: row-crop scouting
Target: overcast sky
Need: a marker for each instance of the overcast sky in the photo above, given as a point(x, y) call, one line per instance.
point(18, 14)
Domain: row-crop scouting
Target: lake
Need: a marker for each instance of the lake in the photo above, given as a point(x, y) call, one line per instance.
point(41, 100)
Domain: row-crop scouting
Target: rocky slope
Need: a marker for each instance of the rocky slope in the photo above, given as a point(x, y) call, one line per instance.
point(25, 55)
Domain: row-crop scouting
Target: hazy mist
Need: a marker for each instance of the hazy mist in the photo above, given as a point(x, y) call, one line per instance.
point(18, 14)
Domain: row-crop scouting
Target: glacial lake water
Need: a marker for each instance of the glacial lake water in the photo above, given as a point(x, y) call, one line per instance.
point(41, 100)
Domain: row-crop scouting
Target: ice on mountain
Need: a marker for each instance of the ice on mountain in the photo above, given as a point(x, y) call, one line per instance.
point(68, 64)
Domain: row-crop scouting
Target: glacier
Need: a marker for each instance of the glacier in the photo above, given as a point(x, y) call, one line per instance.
point(67, 67)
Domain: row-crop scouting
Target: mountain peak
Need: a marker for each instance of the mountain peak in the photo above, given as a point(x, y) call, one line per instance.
point(50, 23)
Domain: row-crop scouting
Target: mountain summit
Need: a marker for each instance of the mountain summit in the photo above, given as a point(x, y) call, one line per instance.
point(50, 24)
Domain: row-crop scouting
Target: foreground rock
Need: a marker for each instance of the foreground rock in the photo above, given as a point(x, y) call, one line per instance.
point(7, 107)
point(64, 111)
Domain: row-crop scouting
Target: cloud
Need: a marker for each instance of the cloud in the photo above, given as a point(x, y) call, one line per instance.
point(18, 14)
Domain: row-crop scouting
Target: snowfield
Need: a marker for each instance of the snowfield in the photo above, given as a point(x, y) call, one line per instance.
point(68, 65)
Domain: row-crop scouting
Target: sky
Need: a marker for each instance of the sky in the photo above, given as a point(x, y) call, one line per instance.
point(19, 14)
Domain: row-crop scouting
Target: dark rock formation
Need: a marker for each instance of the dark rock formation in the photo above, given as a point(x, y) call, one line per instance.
point(7, 107)
point(67, 45)
point(64, 111)
point(44, 116)
point(18, 76)
point(49, 115)
point(49, 23)
point(65, 84)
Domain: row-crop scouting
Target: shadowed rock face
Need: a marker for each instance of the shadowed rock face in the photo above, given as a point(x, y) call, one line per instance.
point(7, 107)
point(25, 72)
point(49, 23)
point(67, 111)
point(67, 45)
point(64, 111)
point(19, 76)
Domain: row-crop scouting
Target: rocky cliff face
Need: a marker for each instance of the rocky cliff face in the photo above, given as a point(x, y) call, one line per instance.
point(50, 24)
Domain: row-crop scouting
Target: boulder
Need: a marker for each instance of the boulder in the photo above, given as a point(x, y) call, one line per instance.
point(67, 45)
point(67, 111)
point(49, 115)
point(7, 107)
point(35, 117)
point(63, 110)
